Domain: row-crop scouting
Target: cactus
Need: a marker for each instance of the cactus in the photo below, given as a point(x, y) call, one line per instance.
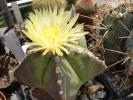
point(129, 49)
point(49, 3)
point(86, 8)
point(119, 24)
point(57, 54)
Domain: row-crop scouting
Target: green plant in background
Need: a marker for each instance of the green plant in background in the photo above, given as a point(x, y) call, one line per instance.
point(118, 24)
point(25, 11)
point(49, 3)
point(52, 3)
point(2, 22)
point(58, 52)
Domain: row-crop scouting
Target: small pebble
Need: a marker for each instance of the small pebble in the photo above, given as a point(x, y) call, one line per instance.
point(93, 99)
point(101, 86)
point(90, 83)
point(93, 96)
point(84, 97)
point(100, 94)
point(130, 95)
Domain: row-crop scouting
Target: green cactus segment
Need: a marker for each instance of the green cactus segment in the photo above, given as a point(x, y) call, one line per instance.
point(82, 42)
point(39, 72)
point(129, 43)
point(118, 26)
point(41, 65)
point(35, 67)
point(80, 67)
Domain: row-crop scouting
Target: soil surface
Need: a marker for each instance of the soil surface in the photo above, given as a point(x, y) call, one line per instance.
point(7, 63)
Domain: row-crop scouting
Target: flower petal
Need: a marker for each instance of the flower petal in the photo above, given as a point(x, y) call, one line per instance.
point(59, 52)
point(65, 50)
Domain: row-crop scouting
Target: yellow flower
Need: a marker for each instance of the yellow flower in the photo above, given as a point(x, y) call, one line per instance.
point(53, 30)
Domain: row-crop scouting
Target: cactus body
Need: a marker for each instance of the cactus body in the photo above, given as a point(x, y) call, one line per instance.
point(60, 53)
point(118, 25)
point(80, 66)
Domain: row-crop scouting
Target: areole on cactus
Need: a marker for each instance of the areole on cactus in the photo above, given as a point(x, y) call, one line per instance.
point(57, 42)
